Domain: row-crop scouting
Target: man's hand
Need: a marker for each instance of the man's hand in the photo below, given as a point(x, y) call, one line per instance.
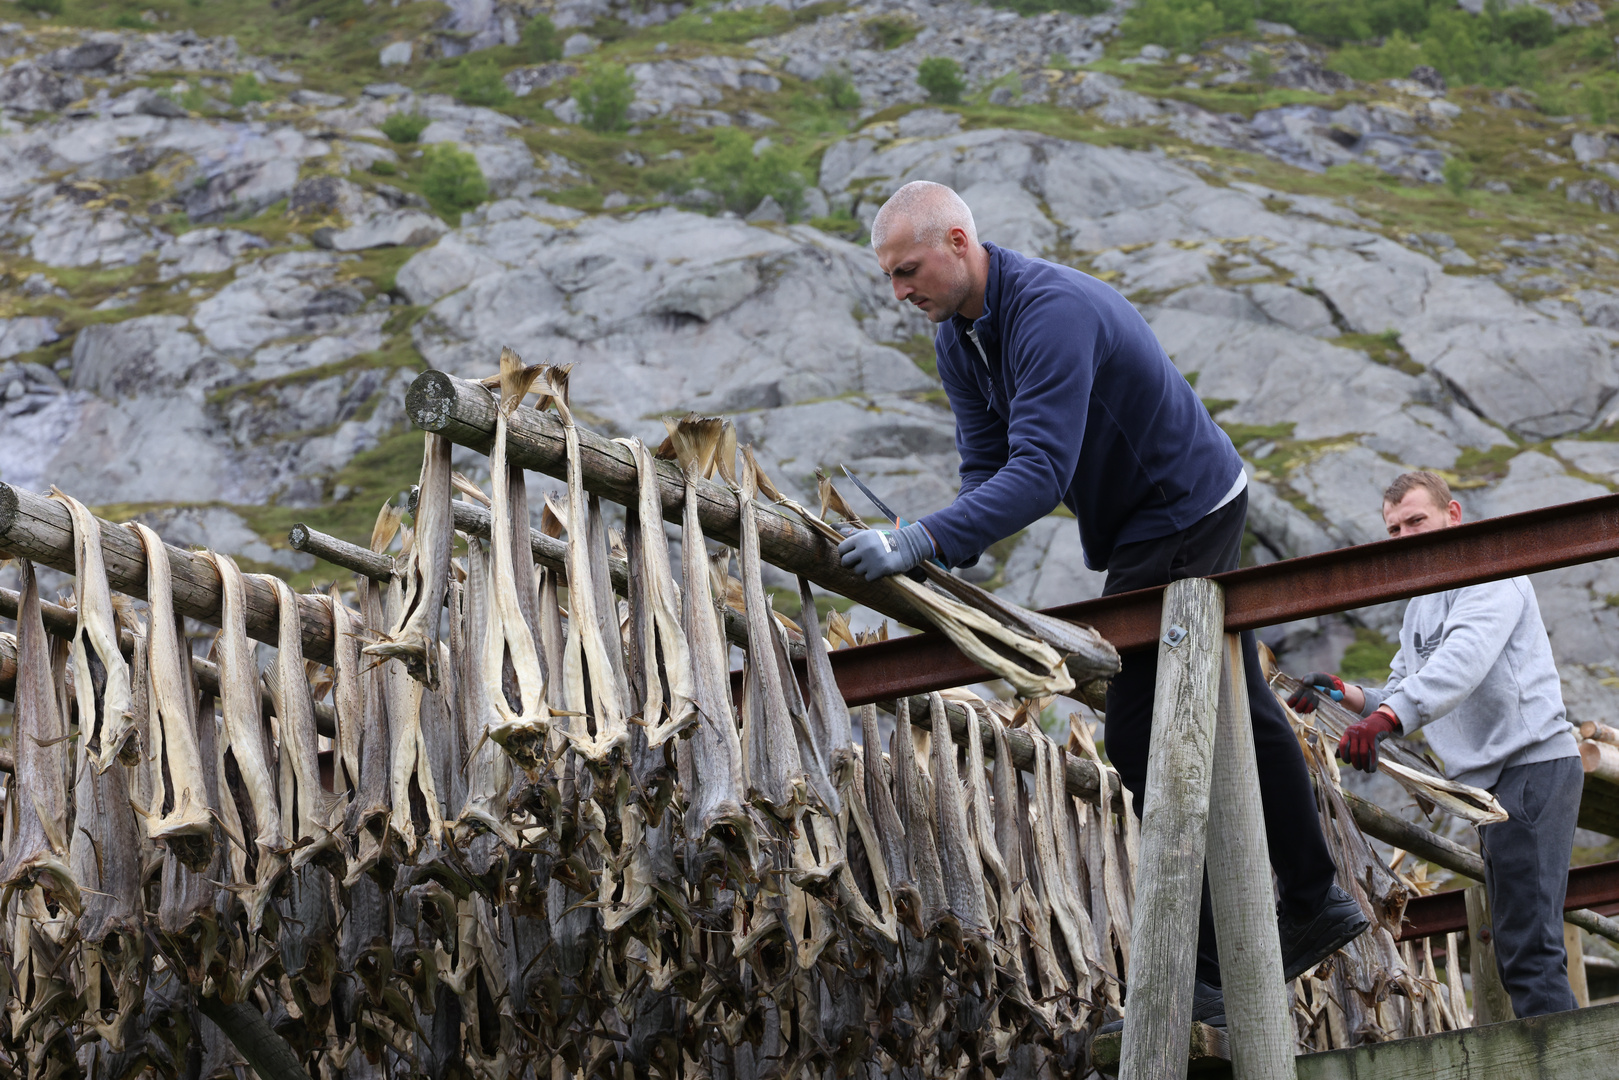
point(877, 553)
point(1359, 744)
point(1315, 685)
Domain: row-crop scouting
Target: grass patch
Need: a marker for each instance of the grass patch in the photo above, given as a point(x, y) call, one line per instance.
point(892, 31)
point(919, 347)
point(1384, 348)
point(1367, 659)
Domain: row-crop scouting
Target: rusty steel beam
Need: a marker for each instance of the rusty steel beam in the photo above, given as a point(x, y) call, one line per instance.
point(1595, 886)
point(1279, 592)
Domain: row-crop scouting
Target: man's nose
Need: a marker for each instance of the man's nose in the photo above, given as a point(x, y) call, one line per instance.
point(902, 289)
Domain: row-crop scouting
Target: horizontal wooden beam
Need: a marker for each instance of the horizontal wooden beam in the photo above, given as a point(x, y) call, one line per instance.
point(38, 528)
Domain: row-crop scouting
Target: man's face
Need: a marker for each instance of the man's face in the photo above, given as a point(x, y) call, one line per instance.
point(934, 277)
point(1417, 513)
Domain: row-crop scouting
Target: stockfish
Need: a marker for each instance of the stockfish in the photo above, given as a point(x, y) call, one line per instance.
point(245, 761)
point(178, 817)
point(716, 749)
point(38, 813)
point(414, 639)
point(664, 678)
point(106, 719)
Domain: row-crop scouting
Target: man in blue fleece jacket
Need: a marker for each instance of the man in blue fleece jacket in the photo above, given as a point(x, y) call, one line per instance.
point(1475, 674)
point(1062, 394)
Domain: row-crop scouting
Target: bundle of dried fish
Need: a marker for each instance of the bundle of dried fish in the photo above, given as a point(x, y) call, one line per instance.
point(1473, 805)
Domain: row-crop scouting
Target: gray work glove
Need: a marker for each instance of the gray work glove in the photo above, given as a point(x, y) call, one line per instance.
point(877, 553)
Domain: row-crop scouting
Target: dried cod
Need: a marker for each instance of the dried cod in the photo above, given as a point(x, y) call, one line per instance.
point(108, 724)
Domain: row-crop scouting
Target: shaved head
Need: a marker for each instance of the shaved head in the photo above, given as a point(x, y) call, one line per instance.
point(925, 241)
point(930, 211)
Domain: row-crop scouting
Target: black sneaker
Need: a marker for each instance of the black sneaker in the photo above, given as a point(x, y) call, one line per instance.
point(1305, 944)
point(1208, 1007)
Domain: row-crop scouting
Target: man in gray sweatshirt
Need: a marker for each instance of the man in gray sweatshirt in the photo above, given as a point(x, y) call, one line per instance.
point(1475, 673)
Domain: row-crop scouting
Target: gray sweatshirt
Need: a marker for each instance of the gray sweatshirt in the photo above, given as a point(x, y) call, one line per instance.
point(1475, 670)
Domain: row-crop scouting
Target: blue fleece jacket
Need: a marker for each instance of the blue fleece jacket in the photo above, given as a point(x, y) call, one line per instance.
point(1073, 400)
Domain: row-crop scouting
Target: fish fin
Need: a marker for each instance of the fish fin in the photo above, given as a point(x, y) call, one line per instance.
point(553, 519)
point(386, 527)
point(469, 489)
point(516, 379)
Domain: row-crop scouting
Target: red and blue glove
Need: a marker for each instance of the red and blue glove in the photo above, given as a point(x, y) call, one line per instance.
point(1315, 684)
point(1359, 744)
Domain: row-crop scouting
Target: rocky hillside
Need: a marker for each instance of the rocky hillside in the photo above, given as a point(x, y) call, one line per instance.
point(231, 235)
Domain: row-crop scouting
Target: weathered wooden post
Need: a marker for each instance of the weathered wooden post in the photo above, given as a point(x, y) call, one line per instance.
point(1258, 1016)
point(1175, 809)
point(1491, 1002)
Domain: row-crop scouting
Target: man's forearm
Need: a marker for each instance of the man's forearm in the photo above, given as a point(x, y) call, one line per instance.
point(1354, 698)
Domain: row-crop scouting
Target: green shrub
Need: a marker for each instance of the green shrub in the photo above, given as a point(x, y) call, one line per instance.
point(1526, 27)
point(941, 77)
point(1260, 65)
point(383, 168)
point(1394, 59)
point(195, 99)
point(247, 88)
point(892, 31)
point(605, 96)
point(540, 40)
point(839, 89)
point(451, 179)
point(1458, 176)
point(1040, 7)
point(741, 178)
point(1596, 104)
point(405, 127)
point(478, 82)
point(128, 20)
point(1175, 24)
point(42, 7)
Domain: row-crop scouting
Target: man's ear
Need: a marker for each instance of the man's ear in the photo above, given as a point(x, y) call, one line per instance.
point(958, 240)
point(1454, 512)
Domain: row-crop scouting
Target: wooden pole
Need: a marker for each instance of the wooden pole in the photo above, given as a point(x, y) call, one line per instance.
point(1576, 965)
point(364, 561)
point(35, 527)
point(1169, 875)
point(1600, 759)
point(1257, 999)
point(1596, 729)
point(464, 413)
point(1491, 1002)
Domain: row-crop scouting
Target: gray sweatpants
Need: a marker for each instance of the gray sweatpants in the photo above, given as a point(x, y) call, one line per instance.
point(1526, 873)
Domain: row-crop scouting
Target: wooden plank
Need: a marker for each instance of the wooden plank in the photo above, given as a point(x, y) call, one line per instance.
point(1257, 1001)
point(1175, 811)
point(1491, 1003)
point(1578, 1045)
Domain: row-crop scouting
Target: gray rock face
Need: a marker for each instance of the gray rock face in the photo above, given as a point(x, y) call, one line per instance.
point(25, 334)
point(27, 87)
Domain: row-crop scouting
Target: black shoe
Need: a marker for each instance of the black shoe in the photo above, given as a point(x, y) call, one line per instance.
point(1308, 942)
point(1208, 1007)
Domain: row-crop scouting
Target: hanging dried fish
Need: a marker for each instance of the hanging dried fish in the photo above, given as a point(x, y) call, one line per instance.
point(38, 813)
point(594, 695)
point(313, 812)
point(426, 571)
point(417, 815)
point(911, 800)
point(522, 726)
point(716, 805)
point(178, 817)
point(244, 753)
point(958, 850)
point(107, 720)
point(488, 771)
point(665, 681)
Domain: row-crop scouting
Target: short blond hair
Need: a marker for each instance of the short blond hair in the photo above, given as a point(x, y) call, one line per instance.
point(1431, 482)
